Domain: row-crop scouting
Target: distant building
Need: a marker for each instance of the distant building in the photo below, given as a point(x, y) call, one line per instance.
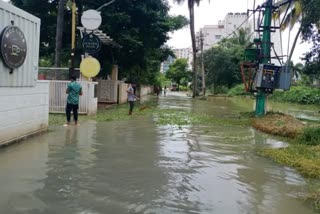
point(215, 33)
point(184, 53)
point(165, 65)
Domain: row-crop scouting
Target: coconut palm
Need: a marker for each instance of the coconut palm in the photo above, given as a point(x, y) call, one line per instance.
point(191, 4)
point(292, 17)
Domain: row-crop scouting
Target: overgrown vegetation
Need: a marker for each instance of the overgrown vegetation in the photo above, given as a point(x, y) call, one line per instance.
point(279, 124)
point(298, 94)
point(310, 136)
point(238, 90)
point(303, 153)
point(306, 159)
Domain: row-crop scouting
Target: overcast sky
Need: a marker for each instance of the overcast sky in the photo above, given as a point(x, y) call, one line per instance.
point(210, 13)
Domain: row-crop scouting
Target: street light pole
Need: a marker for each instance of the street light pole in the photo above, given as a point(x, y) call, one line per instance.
point(202, 64)
point(73, 38)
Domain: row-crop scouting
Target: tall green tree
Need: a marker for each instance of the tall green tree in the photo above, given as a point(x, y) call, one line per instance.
point(139, 30)
point(223, 60)
point(191, 4)
point(178, 72)
point(45, 10)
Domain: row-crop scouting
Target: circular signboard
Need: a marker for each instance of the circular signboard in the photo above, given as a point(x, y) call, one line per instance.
point(91, 19)
point(13, 47)
point(90, 67)
point(91, 43)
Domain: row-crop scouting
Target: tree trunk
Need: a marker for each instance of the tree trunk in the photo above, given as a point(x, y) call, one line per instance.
point(294, 45)
point(59, 33)
point(194, 48)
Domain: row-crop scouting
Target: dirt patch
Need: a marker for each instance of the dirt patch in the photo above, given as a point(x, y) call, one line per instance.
point(279, 124)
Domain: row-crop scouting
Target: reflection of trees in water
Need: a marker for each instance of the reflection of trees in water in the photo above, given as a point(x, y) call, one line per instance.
point(127, 175)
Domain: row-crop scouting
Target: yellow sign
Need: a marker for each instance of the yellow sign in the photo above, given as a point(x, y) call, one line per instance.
point(90, 67)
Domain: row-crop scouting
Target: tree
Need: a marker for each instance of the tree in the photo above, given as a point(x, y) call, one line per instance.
point(223, 61)
point(311, 32)
point(139, 30)
point(191, 4)
point(178, 72)
point(46, 11)
point(59, 33)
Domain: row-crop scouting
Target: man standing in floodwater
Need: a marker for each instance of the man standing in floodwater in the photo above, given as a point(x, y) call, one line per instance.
point(74, 90)
point(131, 97)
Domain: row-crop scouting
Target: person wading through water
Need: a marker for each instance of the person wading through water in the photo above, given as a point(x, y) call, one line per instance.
point(74, 90)
point(131, 97)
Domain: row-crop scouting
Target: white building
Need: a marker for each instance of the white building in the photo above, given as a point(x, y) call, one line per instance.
point(183, 53)
point(215, 33)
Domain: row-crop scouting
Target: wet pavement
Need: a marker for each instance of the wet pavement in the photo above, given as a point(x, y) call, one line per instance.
point(136, 166)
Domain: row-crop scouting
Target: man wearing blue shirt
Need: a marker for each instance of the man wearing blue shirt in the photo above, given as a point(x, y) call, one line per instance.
point(74, 89)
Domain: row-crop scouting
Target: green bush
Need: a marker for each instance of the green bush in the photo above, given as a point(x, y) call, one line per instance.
point(310, 136)
point(183, 88)
point(221, 89)
point(238, 90)
point(298, 94)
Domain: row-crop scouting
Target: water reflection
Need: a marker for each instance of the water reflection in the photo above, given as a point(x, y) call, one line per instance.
point(136, 166)
point(310, 112)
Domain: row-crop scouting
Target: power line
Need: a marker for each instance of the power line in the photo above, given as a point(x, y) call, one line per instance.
point(235, 30)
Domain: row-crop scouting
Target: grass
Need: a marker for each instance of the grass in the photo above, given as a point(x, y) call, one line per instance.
point(117, 112)
point(279, 124)
point(306, 159)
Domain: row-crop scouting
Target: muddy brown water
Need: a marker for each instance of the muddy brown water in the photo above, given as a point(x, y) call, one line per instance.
point(137, 166)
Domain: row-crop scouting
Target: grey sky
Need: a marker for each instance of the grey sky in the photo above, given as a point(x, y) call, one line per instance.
point(210, 13)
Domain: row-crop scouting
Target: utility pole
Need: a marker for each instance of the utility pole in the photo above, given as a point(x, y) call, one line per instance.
point(202, 64)
point(266, 45)
point(73, 38)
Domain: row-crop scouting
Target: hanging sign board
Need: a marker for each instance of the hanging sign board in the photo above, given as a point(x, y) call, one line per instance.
point(91, 43)
point(90, 67)
point(13, 47)
point(91, 19)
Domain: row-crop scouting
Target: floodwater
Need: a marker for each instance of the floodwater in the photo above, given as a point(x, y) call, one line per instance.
point(137, 166)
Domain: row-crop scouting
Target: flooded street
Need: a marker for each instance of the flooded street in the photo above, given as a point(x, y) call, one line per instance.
point(137, 166)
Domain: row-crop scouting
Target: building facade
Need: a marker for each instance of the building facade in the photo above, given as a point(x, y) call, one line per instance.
point(215, 33)
point(165, 65)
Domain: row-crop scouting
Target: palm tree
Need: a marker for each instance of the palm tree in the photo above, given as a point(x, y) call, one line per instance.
point(296, 69)
point(191, 4)
point(59, 33)
point(292, 16)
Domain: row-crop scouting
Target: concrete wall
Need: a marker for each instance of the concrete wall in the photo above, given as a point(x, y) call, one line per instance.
point(123, 96)
point(23, 111)
point(145, 90)
point(107, 91)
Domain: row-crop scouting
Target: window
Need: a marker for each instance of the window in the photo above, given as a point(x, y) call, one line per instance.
point(218, 36)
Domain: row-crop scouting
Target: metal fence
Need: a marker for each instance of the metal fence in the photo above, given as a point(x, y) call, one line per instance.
point(49, 73)
point(58, 97)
